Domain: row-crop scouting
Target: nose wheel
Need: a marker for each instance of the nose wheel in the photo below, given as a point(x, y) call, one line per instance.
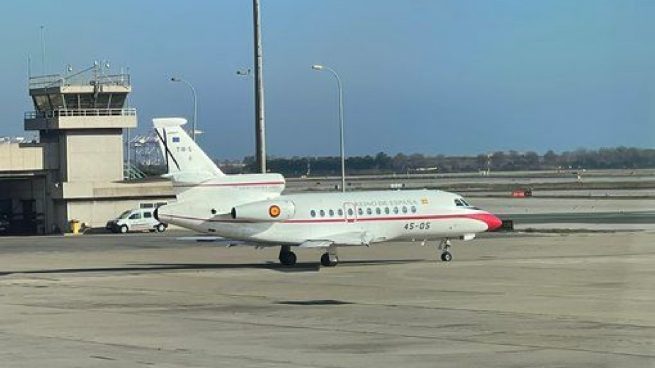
point(444, 247)
point(287, 257)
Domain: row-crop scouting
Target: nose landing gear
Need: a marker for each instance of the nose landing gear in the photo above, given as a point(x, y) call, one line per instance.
point(444, 247)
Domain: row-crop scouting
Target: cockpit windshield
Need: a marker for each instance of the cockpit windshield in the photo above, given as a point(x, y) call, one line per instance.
point(460, 202)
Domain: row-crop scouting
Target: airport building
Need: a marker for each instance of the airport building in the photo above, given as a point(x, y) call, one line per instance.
point(74, 170)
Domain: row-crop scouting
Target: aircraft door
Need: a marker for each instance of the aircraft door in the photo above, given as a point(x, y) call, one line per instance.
point(350, 212)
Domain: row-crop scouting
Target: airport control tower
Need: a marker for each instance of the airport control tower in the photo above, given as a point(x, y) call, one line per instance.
point(75, 169)
point(80, 119)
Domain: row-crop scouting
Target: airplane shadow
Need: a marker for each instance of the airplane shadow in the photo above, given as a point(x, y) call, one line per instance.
point(158, 267)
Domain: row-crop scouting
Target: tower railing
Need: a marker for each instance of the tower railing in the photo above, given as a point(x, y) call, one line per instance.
point(79, 112)
point(58, 80)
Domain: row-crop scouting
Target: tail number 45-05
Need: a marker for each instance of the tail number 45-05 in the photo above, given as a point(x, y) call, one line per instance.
point(417, 226)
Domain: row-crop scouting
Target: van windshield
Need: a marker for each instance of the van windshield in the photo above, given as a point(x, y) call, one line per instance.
point(125, 214)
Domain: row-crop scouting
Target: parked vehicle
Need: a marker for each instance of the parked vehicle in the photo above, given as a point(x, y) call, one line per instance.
point(522, 193)
point(136, 220)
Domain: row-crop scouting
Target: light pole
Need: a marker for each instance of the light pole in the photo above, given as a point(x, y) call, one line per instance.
point(260, 123)
point(195, 104)
point(343, 155)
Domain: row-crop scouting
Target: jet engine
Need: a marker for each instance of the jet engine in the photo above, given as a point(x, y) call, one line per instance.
point(265, 211)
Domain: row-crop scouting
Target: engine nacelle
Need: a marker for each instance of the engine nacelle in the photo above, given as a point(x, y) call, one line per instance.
point(264, 211)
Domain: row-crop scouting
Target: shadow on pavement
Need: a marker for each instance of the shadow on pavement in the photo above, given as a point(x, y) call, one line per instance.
point(155, 267)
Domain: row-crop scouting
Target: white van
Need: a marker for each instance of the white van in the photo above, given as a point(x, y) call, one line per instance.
point(136, 220)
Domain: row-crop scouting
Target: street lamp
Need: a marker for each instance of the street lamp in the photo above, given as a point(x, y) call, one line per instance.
point(195, 104)
point(343, 155)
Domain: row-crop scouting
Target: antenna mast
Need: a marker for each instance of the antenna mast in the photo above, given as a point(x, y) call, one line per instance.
point(43, 50)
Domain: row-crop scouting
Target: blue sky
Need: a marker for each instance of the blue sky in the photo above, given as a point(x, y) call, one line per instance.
point(426, 76)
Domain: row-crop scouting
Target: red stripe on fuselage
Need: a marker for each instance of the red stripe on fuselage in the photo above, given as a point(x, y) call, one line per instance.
point(473, 216)
point(483, 217)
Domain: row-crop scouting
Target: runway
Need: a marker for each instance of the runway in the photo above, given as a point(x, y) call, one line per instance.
point(581, 299)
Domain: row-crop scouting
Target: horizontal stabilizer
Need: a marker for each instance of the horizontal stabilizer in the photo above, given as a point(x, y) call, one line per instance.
point(161, 123)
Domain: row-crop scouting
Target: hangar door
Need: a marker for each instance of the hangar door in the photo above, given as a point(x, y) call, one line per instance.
point(22, 206)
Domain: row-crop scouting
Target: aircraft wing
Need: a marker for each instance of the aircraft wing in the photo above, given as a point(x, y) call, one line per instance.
point(223, 241)
point(208, 239)
point(316, 244)
point(351, 238)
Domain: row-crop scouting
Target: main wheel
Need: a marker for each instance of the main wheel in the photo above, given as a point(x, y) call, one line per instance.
point(161, 228)
point(124, 229)
point(446, 256)
point(328, 261)
point(288, 258)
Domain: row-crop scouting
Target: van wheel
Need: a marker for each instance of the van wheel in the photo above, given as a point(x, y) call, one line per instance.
point(161, 228)
point(123, 229)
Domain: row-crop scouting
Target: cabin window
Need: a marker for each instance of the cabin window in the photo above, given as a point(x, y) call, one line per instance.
point(378, 211)
point(395, 210)
point(340, 211)
point(331, 212)
point(404, 209)
point(413, 209)
point(350, 212)
point(369, 211)
point(360, 211)
point(386, 210)
point(312, 213)
point(322, 213)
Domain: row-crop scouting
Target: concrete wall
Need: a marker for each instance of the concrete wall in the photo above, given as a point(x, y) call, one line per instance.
point(94, 157)
point(20, 157)
point(82, 122)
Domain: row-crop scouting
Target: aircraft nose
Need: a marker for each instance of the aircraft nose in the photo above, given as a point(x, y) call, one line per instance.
point(493, 222)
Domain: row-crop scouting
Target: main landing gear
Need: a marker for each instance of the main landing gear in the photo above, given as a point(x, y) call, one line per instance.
point(330, 258)
point(444, 247)
point(287, 257)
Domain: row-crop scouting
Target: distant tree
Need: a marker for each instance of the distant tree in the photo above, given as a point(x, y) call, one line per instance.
point(531, 160)
point(383, 161)
point(550, 159)
point(604, 158)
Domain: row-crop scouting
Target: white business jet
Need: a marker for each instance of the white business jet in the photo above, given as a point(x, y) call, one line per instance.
point(251, 209)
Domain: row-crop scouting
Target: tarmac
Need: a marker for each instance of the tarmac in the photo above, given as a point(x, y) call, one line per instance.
point(580, 299)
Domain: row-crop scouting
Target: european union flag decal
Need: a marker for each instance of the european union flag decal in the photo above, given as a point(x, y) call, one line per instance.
point(176, 139)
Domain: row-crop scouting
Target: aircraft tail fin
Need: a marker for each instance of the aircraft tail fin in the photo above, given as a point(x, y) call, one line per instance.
point(185, 160)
